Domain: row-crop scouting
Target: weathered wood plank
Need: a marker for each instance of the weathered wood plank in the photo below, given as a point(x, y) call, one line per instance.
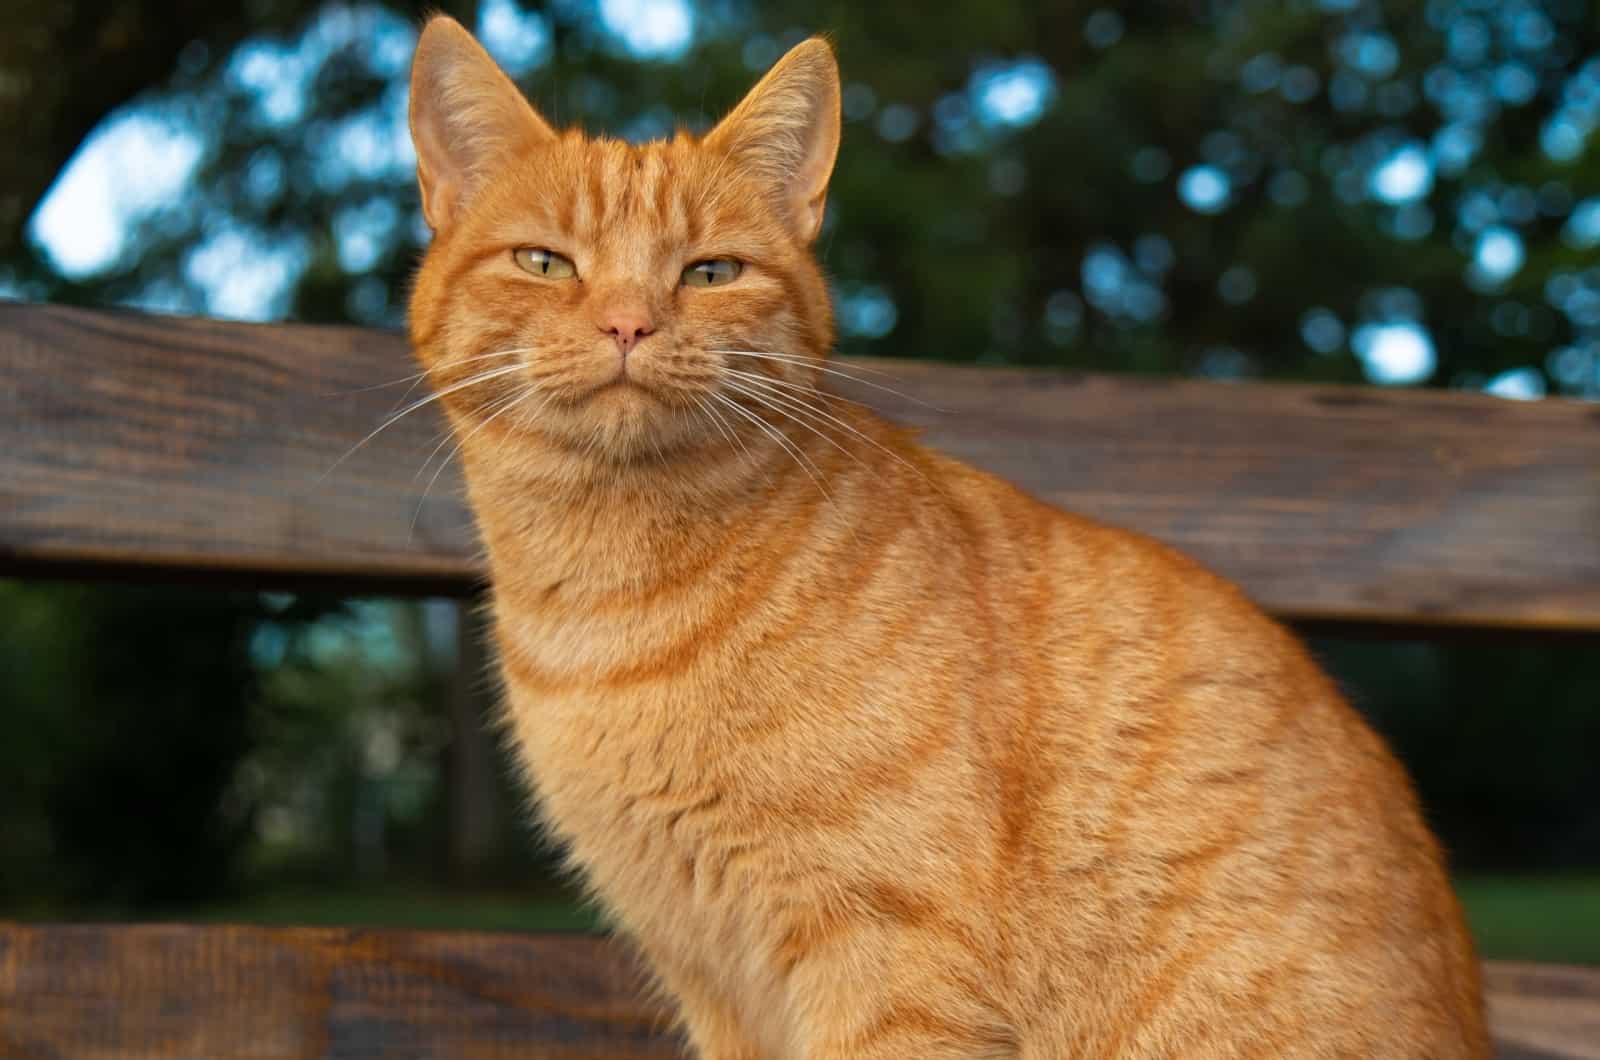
point(1326, 503)
point(1544, 1012)
point(181, 443)
point(95, 992)
point(207, 993)
point(170, 444)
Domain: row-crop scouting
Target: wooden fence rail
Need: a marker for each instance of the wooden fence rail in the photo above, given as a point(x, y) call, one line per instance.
point(175, 445)
point(90, 992)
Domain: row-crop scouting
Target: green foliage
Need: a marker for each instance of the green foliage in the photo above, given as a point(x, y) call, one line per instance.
point(1499, 739)
point(1531, 919)
point(1554, 918)
point(126, 713)
point(348, 768)
point(1057, 235)
point(524, 908)
point(349, 738)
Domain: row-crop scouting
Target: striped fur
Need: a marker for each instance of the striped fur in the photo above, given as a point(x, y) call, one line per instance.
point(872, 754)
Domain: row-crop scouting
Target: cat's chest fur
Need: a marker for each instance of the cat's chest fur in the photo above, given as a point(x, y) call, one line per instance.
point(640, 788)
point(635, 766)
point(703, 757)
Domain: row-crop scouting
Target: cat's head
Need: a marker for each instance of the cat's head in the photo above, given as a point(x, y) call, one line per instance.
point(605, 296)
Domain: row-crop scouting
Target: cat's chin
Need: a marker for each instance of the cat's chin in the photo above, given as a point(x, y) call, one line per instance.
point(622, 400)
point(619, 421)
point(621, 388)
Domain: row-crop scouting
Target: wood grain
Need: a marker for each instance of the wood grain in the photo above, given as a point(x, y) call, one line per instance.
point(219, 992)
point(1544, 1012)
point(190, 444)
point(1326, 503)
point(167, 446)
point(97, 992)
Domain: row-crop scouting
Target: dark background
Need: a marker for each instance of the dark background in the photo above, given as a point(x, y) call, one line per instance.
point(1374, 193)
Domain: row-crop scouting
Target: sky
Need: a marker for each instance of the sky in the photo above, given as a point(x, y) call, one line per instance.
point(141, 158)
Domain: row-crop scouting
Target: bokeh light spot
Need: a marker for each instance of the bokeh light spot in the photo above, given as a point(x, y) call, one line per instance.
point(1499, 254)
point(1518, 384)
point(128, 166)
point(1395, 353)
point(1404, 176)
point(1015, 94)
point(1205, 189)
point(650, 29)
point(519, 40)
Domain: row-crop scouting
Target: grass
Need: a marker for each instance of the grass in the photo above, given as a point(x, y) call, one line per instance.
point(1537, 918)
point(1554, 919)
point(404, 907)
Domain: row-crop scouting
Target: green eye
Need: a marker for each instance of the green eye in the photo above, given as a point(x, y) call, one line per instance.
point(711, 273)
point(545, 263)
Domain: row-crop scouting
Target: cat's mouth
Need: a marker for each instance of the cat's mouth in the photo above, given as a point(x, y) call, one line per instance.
point(632, 380)
point(622, 388)
point(619, 384)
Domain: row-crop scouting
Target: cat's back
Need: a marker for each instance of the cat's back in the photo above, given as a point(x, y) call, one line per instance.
point(1214, 835)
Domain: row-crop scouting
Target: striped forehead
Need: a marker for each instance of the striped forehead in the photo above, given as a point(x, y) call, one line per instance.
point(623, 194)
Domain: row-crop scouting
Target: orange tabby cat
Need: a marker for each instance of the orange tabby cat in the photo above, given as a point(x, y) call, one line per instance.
point(872, 754)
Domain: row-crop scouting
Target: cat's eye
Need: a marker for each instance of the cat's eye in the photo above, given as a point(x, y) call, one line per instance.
point(711, 273)
point(545, 263)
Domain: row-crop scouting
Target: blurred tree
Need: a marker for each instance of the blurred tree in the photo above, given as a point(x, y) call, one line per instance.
point(67, 64)
point(474, 823)
point(1401, 190)
point(1499, 738)
point(122, 739)
point(370, 754)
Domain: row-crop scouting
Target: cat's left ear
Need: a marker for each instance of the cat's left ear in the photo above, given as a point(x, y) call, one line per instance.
point(786, 132)
point(466, 116)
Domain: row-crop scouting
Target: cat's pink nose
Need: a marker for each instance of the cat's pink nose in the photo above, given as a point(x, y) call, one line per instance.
point(626, 327)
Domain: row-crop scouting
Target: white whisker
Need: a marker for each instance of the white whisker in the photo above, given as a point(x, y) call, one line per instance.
point(829, 369)
point(799, 388)
point(412, 379)
point(504, 407)
point(466, 360)
point(493, 409)
point(482, 377)
point(802, 359)
point(415, 377)
point(769, 384)
point(767, 401)
point(732, 434)
point(723, 426)
point(801, 460)
point(763, 401)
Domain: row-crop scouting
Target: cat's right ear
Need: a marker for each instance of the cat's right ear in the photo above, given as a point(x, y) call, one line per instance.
point(466, 115)
point(786, 132)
